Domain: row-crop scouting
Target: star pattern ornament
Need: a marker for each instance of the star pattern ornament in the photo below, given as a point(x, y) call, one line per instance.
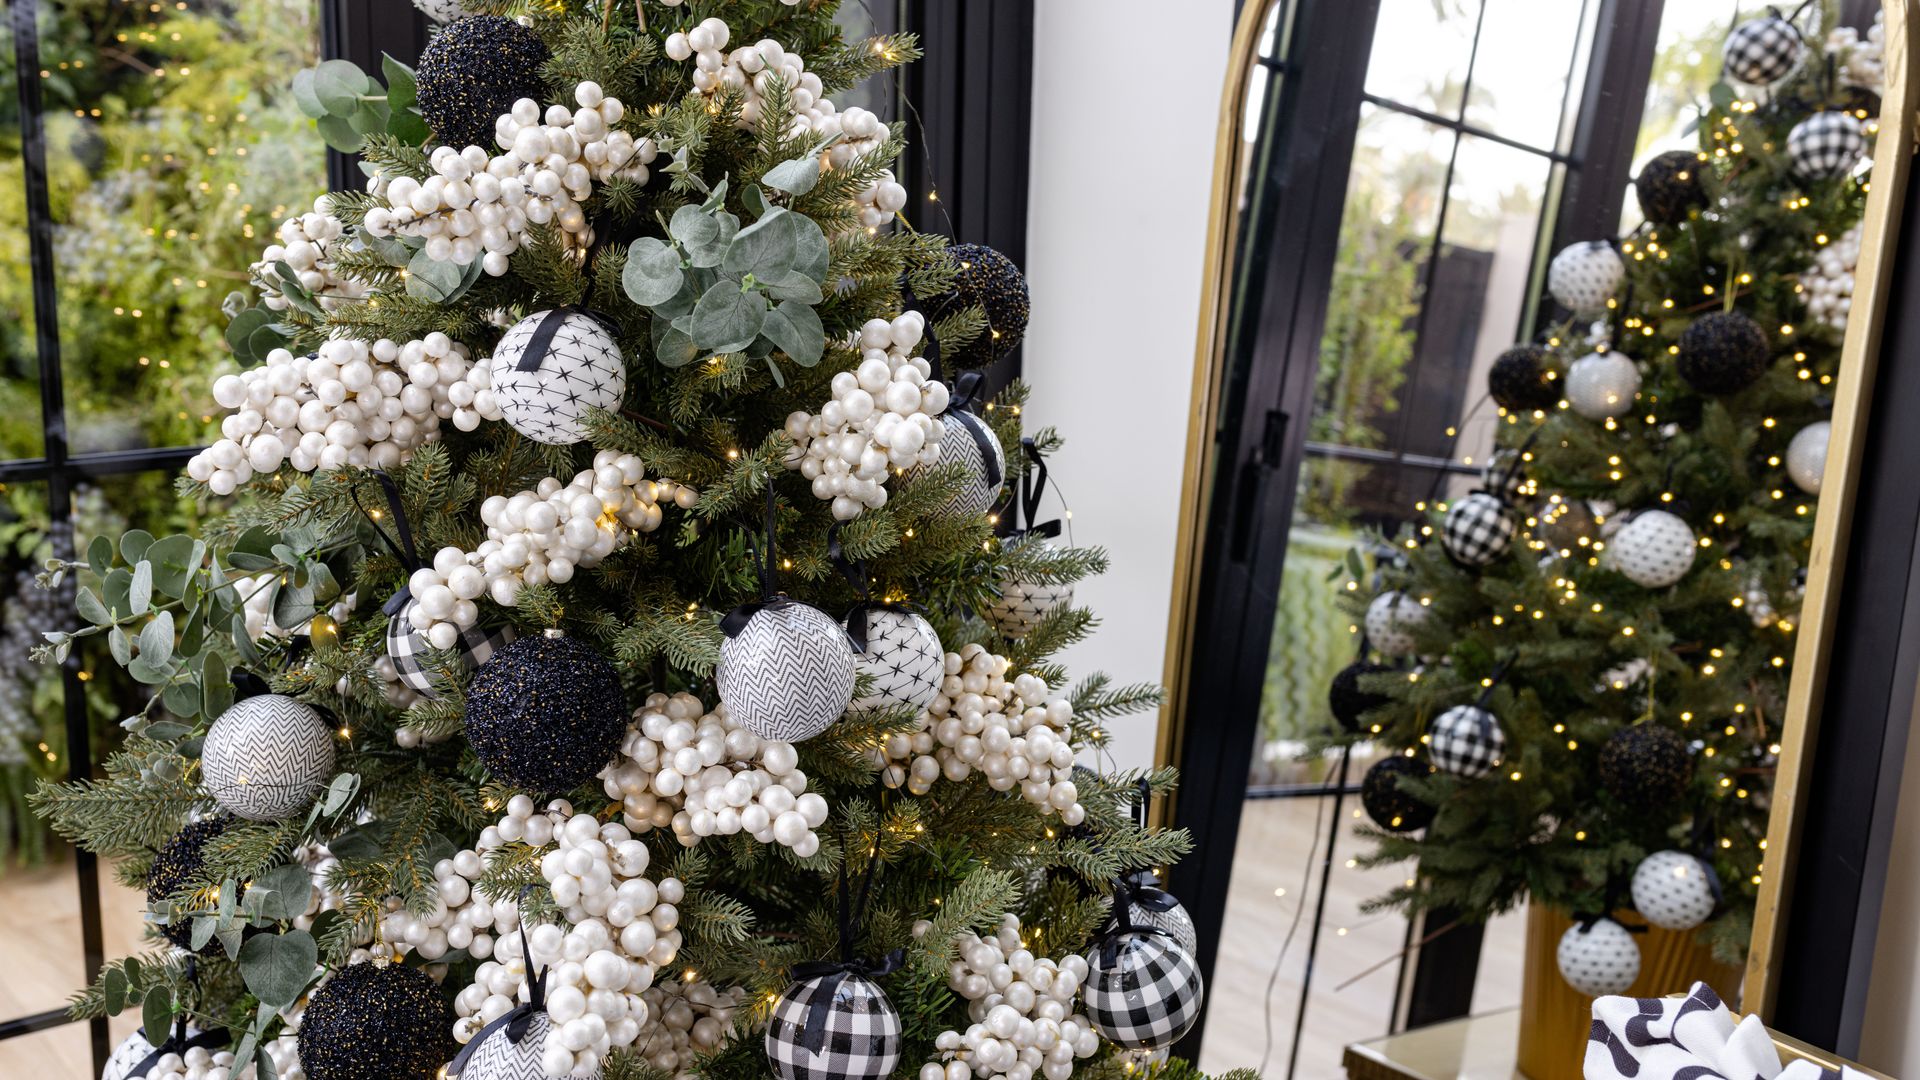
point(903, 655)
point(550, 369)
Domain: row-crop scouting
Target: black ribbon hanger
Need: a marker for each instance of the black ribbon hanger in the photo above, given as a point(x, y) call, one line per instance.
point(963, 393)
point(177, 1040)
point(813, 1035)
point(1609, 904)
point(402, 548)
point(517, 1021)
point(1033, 485)
point(542, 340)
point(858, 620)
point(764, 553)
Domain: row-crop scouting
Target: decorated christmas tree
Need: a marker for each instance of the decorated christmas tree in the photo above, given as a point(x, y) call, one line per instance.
point(613, 654)
point(1583, 665)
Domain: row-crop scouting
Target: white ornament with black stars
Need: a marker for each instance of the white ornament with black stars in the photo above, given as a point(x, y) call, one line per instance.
point(1466, 741)
point(1393, 619)
point(902, 655)
point(1602, 386)
point(1762, 51)
point(1478, 529)
point(1143, 991)
point(788, 674)
point(1584, 276)
point(862, 1036)
point(1598, 960)
point(266, 757)
point(1674, 890)
point(547, 397)
point(1826, 145)
point(1807, 456)
point(1023, 605)
point(1654, 549)
point(442, 11)
point(407, 648)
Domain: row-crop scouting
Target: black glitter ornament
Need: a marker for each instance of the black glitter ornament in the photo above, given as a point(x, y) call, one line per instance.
point(1346, 698)
point(1521, 379)
point(546, 713)
point(177, 865)
point(1646, 765)
point(1722, 353)
point(990, 281)
point(1388, 806)
point(472, 72)
point(1669, 187)
point(376, 1022)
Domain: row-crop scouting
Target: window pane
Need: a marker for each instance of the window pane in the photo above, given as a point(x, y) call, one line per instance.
point(32, 724)
point(1421, 51)
point(19, 376)
point(1520, 70)
point(174, 151)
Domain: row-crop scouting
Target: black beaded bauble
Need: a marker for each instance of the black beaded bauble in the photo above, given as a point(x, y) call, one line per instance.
point(990, 281)
point(1521, 379)
point(546, 713)
point(1669, 187)
point(472, 72)
point(1722, 353)
point(376, 1022)
point(1347, 700)
point(1646, 765)
point(1388, 806)
point(177, 865)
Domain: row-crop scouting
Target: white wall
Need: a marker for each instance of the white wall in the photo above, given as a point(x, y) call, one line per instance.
point(1890, 1033)
point(1115, 242)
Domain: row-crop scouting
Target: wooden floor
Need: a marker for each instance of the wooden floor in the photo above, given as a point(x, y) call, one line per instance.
point(41, 959)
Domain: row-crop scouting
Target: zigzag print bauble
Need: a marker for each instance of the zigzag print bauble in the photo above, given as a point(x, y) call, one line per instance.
point(546, 713)
point(500, 1058)
point(788, 674)
point(970, 441)
point(267, 757)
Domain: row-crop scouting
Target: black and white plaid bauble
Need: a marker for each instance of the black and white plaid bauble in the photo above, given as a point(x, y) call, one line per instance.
point(1598, 960)
point(581, 369)
point(1466, 740)
point(267, 757)
point(862, 1031)
point(1393, 619)
point(1826, 145)
point(1653, 549)
point(1674, 890)
point(788, 674)
point(1762, 51)
point(1024, 604)
point(1602, 385)
point(1478, 529)
point(970, 441)
point(903, 656)
point(1504, 475)
point(407, 648)
point(498, 1057)
point(1148, 996)
point(1584, 276)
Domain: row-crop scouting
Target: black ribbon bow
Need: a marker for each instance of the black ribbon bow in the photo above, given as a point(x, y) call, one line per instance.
point(1610, 903)
point(542, 340)
point(403, 548)
point(770, 595)
point(813, 1035)
point(177, 1042)
point(855, 571)
point(518, 1020)
point(1032, 486)
point(966, 390)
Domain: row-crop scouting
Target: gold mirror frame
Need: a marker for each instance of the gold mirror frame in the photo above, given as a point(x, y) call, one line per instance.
point(1893, 153)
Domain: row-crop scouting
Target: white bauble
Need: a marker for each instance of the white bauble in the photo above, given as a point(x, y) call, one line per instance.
point(788, 674)
point(1584, 276)
point(442, 11)
point(1673, 890)
point(904, 657)
point(1603, 959)
point(1807, 456)
point(1654, 549)
point(1602, 385)
point(1393, 620)
point(1024, 604)
point(267, 757)
point(970, 441)
point(582, 369)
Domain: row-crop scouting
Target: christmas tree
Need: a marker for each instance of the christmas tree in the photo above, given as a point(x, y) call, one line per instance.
point(499, 725)
point(1586, 661)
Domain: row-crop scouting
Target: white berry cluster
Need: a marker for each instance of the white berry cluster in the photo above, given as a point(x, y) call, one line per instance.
point(351, 403)
point(1016, 732)
point(686, 1020)
point(306, 246)
point(751, 69)
point(620, 928)
point(705, 775)
point(1862, 60)
point(478, 206)
point(198, 1063)
point(1021, 1007)
point(1827, 285)
point(538, 536)
point(884, 415)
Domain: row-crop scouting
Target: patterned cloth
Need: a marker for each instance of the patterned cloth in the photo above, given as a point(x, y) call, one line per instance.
point(1467, 741)
point(1762, 51)
point(862, 1033)
point(1692, 1036)
point(1478, 529)
point(1148, 997)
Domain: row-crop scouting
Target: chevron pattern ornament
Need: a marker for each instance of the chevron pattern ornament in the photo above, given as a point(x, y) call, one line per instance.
point(970, 441)
point(904, 657)
point(407, 648)
point(582, 370)
point(1024, 604)
point(500, 1058)
point(267, 757)
point(788, 674)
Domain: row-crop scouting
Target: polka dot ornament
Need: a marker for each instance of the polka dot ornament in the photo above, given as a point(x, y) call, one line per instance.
point(1600, 959)
point(1674, 890)
point(1393, 621)
point(1654, 549)
point(547, 400)
point(1584, 276)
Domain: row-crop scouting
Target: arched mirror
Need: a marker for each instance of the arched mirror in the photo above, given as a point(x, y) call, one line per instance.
point(1527, 417)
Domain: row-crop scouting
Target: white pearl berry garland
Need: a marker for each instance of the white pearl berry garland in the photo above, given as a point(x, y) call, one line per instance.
point(686, 1020)
point(478, 206)
point(1862, 60)
point(198, 1063)
point(884, 415)
point(1827, 285)
point(351, 403)
point(538, 536)
point(306, 246)
point(1021, 1007)
point(1015, 732)
point(705, 775)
